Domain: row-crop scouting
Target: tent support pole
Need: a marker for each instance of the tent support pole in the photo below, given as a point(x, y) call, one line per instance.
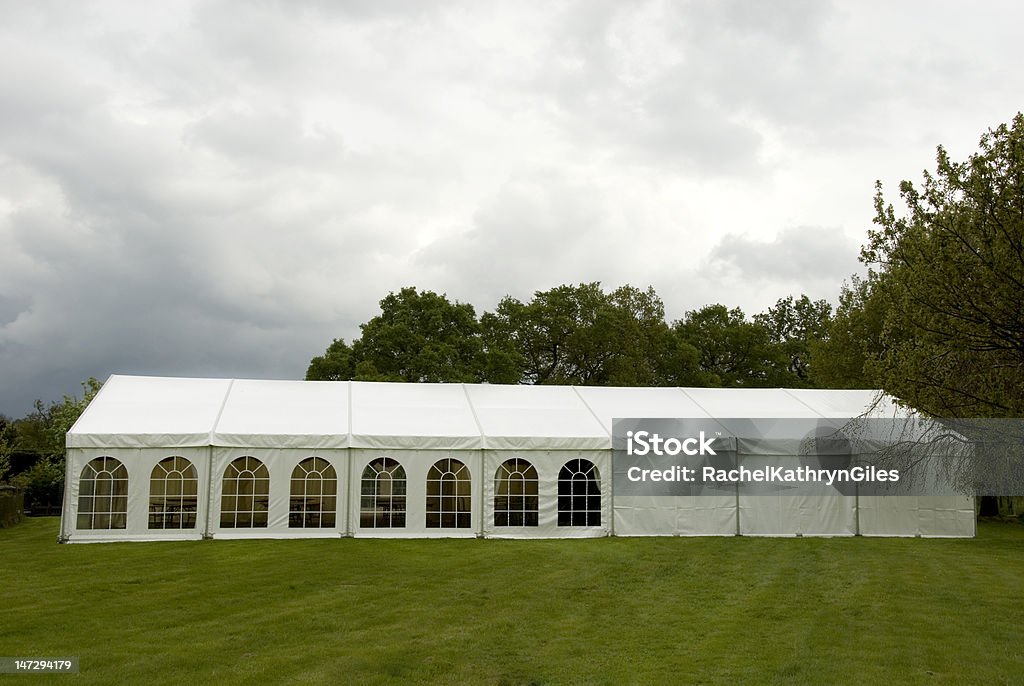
point(611, 492)
point(738, 530)
point(209, 472)
point(348, 492)
point(737, 465)
point(209, 492)
point(483, 495)
point(856, 507)
point(483, 514)
point(64, 511)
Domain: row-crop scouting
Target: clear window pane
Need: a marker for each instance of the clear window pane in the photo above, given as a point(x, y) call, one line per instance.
point(382, 501)
point(579, 494)
point(246, 494)
point(103, 495)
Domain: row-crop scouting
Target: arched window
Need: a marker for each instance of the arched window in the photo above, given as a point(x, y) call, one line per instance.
point(314, 501)
point(246, 494)
point(382, 495)
point(448, 495)
point(515, 494)
point(579, 494)
point(103, 495)
point(173, 494)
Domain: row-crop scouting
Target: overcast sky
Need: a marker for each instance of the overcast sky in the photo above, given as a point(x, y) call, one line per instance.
point(221, 188)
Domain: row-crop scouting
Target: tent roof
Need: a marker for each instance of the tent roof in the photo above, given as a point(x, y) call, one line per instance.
point(396, 415)
point(536, 417)
point(277, 414)
point(160, 412)
point(140, 411)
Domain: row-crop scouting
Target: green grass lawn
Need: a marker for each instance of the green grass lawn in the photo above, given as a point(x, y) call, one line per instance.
point(604, 611)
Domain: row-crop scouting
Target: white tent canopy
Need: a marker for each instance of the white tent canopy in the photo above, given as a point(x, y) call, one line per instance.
point(155, 458)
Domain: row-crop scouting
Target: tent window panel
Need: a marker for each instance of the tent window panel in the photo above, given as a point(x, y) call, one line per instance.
point(449, 495)
point(103, 495)
point(515, 494)
point(173, 494)
point(314, 488)
point(382, 495)
point(579, 494)
point(245, 497)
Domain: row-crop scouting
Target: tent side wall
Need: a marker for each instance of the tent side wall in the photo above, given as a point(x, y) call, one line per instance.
point(815, 511)
point(378, 509)
point(797, 515)
point(149, 503)
point(278, 493)
point(85, 517)
point(558, 510)
point(924, 516)
point(704, 515)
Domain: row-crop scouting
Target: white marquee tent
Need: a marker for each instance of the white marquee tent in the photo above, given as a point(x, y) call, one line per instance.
point(156, 458)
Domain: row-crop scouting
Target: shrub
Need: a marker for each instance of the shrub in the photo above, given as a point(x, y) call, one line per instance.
point(43, 484)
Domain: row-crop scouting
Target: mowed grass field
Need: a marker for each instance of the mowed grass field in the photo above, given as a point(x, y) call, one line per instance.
point(607, 611)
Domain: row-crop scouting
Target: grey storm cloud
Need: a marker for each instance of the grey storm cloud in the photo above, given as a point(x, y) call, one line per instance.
point(221, 187)
point(547, 224)
point(804, 252)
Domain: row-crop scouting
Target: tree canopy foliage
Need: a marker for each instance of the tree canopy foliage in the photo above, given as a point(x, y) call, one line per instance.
point(578, 334)
point(584, 336)
point(420, 337)
point(845, 352)
point(732, 351)
point(417, 337)
point(941, 318)
point(41, 433)
point(32, 448)
point(794, 325)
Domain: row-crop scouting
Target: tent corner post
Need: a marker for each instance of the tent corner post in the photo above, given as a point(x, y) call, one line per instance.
point(63, 537)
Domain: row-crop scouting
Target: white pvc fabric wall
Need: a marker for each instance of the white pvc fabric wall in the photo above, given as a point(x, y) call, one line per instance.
point(156, 458)
point(108, 493)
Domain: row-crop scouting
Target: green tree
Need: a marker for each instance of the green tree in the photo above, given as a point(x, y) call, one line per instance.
point(43, 431)
point(951, 283)
point(951, 272)
point(7, 438)
point(42, 435)
point(579, 334)
point(336, 364)
point(845, 357)
point(418, 337)
point(732, 351)
point(793, 324)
